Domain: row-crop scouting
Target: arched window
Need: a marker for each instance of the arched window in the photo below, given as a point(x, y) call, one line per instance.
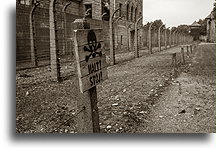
point(24, 2)
point(135, 14)
point(132, 10)
point(127, 12)
point(105, 9)
point(35, 1)
point(120, 11)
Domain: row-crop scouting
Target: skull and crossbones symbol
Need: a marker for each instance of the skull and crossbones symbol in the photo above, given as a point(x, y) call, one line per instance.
point(93, 46)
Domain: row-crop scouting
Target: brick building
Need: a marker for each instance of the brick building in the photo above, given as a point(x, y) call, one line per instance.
point(124, 26)
point(66, 12)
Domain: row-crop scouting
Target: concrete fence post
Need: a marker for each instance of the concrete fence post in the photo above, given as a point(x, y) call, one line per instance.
point(65, 25)
point(181, 39)
point(174, 37)
point(117, 34)
point(159, 37)
point(112, 37)
point(177, 38)
point(136, 38)
point(54, 51)
point(32, 35)
point(185, 39)
point(165, 40)
point(150, 38)
point(170, 38)
point(128, 36)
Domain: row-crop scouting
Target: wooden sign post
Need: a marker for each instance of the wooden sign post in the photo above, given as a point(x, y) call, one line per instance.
point(191, 48)
point(91, 63)
point(183, 56)
point(188, 51)
point(91, 67)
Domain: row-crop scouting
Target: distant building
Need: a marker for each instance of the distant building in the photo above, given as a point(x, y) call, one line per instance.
point(195, 30)
point(211, 28)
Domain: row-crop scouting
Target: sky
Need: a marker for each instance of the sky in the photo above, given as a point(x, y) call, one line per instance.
point(176, 12)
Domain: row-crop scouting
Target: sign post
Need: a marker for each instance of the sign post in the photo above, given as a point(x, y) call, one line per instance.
point(182, 53)
point(91, 69)
point(191, 48)
point(188, 51)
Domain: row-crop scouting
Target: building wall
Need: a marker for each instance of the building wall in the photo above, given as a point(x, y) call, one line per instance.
point(212, 31)
point(96, 8)
point(23, 33)
point(124, 36)
point(124, 29)
point(211, 28)
point(75, 10)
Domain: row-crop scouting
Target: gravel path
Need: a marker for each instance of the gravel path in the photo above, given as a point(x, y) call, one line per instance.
point(188, 105)
point(141, 96)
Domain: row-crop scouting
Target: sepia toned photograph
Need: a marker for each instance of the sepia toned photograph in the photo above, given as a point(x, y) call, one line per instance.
point(115, 66)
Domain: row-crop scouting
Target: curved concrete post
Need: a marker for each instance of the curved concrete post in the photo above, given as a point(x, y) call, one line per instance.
point(177, 38)
point(182, 37)
point(150, 38)
point(174, 37)
point(112, 38)
point(165, 38)
point(170, 39)
point(117, 35)
point(54, 52)
point(65, 25)
point(32, 40)
point(159, 37)
point(136, 37)
point(186, 39)
point(128, 36)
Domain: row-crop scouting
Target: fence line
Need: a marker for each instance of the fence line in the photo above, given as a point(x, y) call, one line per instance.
point(33, 37)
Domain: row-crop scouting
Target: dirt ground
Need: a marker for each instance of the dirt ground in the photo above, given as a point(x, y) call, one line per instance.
point(141, 96)
point(188, 104)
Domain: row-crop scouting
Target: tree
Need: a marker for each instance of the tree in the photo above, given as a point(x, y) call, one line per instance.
point(203, 28)
point(157, 24)
point(173, 28)
point(214, 9)
point(183, 28)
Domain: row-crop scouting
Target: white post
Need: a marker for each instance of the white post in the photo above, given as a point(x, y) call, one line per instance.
point(136, 37)
point(32, 43)
point(150, 38)
point(54, 52)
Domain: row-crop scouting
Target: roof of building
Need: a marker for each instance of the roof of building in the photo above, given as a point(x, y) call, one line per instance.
point(209, 16)
point(195, 24)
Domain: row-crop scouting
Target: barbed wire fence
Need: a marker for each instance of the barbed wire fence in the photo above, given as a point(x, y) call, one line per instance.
point(33, 48)
point(34, 40)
